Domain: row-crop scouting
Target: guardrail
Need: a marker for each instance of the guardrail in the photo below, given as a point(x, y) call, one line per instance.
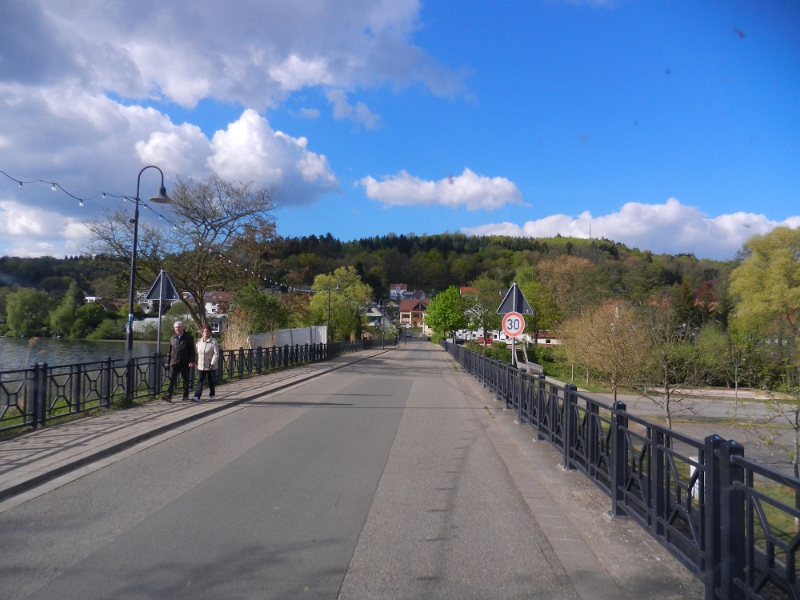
point(33, 397)
point(731, 521)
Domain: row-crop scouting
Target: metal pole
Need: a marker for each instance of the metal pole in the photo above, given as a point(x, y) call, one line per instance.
point(160, 306)
point(129, 338)
point(161, 198)
point(328, 334)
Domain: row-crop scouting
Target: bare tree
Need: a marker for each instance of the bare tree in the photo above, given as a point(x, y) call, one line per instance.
point(609, 341)
point(674, 365)
point(222, 238)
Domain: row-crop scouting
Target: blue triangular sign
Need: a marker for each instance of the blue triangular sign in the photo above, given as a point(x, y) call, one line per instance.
point(169, 292)
point(514, 301)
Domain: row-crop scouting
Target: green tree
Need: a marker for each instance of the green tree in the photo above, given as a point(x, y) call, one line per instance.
point(766, 286)
point(27, 312)
point(224, 239)
point(138, 311)
point(346, 302)
point(87, 317)
point(445, 313)
point(63, 316)
point(109, 329)
point(546, 313)
point(255, 311)
point(481, 310)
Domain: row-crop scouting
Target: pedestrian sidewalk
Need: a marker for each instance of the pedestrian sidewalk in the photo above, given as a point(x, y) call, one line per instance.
point(35, 458)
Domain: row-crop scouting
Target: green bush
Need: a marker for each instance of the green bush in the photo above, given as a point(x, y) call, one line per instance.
point(540, 354)
point(110, 329)
point(497, 351)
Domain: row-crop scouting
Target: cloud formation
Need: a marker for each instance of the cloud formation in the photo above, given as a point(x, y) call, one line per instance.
point(671, 227)
point(358, 113)
point(36, 232)
point(468, 189)
point(252, 52)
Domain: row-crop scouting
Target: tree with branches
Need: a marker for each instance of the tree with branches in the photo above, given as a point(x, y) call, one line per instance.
point(222, 238)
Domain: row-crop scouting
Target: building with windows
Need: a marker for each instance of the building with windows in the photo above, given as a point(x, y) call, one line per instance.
point(412, 312)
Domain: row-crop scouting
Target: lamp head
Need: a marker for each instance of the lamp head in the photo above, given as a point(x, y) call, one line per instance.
point(162, 197)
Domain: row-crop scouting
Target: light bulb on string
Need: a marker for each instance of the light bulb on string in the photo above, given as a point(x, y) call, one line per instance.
point(104, 194)
point(80, 203)
point(20, 184)
point(54, 187)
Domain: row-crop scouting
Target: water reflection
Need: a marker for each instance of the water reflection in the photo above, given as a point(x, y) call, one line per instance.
point(19, 353)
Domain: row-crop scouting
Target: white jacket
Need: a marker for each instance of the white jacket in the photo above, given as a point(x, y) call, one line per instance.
point(207, 354)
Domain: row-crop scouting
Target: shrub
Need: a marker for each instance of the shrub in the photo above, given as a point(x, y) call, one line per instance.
point(110, 329)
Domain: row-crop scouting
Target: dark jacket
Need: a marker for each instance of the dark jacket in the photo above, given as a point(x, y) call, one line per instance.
point(181, 350)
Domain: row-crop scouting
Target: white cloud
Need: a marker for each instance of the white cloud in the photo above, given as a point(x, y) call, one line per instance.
point(250, 150)
point(358, 113)
point(670, 227)
point(89, 143)
point(254, 52)
point(309, 113)
point(468, 189)
point(31, 231)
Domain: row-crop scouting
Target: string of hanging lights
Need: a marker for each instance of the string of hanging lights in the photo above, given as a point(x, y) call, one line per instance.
point(93, 195)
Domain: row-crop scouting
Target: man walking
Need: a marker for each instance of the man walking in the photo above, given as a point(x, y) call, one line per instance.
point(181, 359)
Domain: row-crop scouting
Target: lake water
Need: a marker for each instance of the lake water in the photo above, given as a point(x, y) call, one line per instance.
point(19, 353)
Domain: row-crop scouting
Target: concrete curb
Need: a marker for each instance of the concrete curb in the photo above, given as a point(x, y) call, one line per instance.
point(25, 485)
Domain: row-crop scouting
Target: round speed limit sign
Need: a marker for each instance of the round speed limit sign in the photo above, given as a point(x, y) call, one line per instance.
point(513, 324)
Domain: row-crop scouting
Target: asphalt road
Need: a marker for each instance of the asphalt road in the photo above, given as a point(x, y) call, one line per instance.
point(376, 481)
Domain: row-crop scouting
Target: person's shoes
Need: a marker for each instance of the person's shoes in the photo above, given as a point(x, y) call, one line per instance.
point(211, 398)
point(185, 399)
point(167, 398)
point(195, 399)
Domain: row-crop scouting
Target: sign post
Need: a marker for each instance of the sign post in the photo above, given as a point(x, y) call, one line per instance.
point(161, 290)
point(513, 306)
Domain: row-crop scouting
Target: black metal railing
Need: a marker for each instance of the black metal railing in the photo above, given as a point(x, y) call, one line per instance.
point(731, 521)
point(33, 397)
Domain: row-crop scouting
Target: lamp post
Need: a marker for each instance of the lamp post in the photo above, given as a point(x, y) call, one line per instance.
point(161, 198)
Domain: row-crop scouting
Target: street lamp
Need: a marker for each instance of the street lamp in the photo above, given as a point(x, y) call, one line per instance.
point(160, 198)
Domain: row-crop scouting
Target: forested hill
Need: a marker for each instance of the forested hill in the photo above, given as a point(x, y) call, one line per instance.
point(428, 262)
point(434, 262)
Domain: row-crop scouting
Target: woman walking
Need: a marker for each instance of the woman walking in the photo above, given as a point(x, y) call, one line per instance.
point(207, 357)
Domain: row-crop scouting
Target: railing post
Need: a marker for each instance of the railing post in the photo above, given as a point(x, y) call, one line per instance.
point(33, 394)
point(593, 426)
point(240, 365)
point(155, 373)
point(108, 381)
point(77, 374)
point(221, 367)
point(732, 521)
point(659, 500)
point(712, 556)
point(568, 435)
point(618, 459)
point(286, 356)
point(258, 359)
point(43, 394)
point(540, 406)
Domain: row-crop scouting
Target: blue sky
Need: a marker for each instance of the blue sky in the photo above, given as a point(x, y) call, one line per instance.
point(671, 126)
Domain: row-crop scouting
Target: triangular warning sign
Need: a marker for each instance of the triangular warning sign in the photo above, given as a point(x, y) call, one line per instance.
point(168, 293)
point(514, 301)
